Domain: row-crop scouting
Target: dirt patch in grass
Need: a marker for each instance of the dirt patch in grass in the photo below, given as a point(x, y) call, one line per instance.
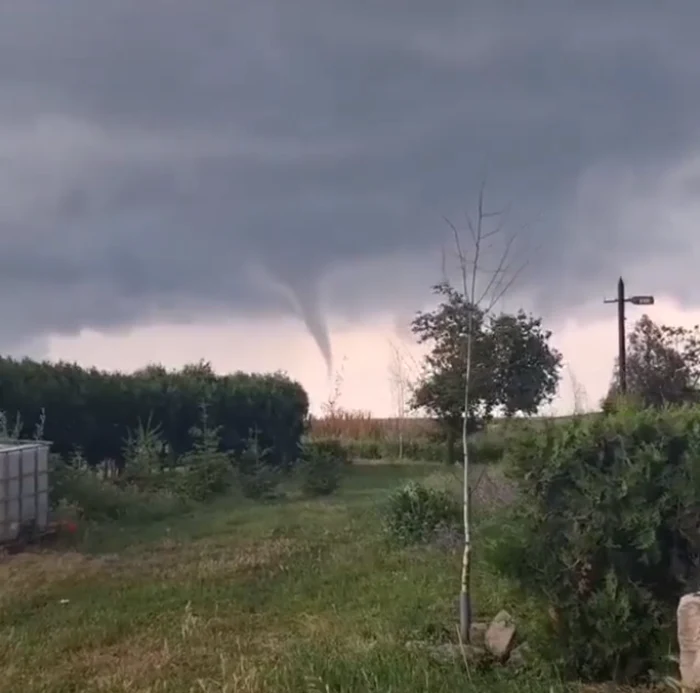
point(141, 664)
point(121, 665)
point(32, 572)
point(205, 560)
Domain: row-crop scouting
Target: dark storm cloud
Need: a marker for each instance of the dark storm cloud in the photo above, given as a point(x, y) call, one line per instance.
point(167, 157)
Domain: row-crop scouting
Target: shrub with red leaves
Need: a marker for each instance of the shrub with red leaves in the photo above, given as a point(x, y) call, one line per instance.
point(69, 527)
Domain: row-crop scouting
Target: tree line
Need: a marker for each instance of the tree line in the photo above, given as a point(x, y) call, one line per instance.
point(515, 369)
point(94, 411)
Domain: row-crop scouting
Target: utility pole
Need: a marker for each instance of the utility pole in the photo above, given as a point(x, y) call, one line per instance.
point(621, 340)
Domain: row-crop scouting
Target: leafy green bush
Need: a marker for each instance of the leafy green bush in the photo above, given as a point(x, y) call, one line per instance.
point(258, 479)
point(420, 449)
point(354, 449)
point(321, 467)
point(415, 513)
point(331, 447)
point(60, 478)
point(144, 488)
point(487, 448)
point(98, 499)
point(424, 450)
point(608, 532)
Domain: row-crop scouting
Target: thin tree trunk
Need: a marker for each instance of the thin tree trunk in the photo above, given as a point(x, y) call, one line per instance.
point(465, 605)
point(495, 288)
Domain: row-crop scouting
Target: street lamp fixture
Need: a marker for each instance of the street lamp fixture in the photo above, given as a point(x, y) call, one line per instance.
point(621, 300)
point(641, 300)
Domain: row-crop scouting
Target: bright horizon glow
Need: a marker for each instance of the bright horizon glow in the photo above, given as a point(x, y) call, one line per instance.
point(363, 355)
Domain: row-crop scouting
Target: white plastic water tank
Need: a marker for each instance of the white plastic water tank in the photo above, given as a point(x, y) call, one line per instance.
point(24, 487)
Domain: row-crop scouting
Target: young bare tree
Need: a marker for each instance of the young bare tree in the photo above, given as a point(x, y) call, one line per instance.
point(480, 362)
point(331, 407)
point(482, 288)
point(580, 396)
point(401, 384)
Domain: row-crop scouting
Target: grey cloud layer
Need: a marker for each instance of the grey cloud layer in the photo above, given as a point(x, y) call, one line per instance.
point(168, 157)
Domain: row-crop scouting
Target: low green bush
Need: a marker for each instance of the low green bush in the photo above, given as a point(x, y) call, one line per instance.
point(607, 533)
point(415, 513)
point(363, 449)
point(145, 487)
point(95, 498)
point(487, 448)
point(329, 447)
point(423, 450)
point(258, 480)
point(321, 466)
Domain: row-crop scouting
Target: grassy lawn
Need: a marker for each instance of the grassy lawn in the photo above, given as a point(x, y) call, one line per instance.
point(292, 596)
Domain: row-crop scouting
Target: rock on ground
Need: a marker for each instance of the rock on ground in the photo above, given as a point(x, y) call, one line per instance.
point(500, 636)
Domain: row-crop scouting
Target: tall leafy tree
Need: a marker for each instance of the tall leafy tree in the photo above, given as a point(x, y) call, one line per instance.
point(441, 388)
point(663, 365)
point(525, 368)
point(514, 368)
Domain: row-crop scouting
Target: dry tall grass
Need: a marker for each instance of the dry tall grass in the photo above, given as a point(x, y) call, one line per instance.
point(361, 425)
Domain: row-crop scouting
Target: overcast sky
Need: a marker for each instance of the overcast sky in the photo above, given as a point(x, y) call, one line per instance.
point(179, 162)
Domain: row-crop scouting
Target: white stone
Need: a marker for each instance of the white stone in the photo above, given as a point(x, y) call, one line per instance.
point(688, 617)
point(500, 636)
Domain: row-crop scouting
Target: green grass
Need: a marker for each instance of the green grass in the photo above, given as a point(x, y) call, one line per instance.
point(240, 597)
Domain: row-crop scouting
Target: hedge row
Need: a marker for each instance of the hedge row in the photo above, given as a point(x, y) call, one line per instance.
point(483, 449)
point(94, 411)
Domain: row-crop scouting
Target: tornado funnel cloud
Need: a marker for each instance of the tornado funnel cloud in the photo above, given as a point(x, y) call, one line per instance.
point(309, 308)
point(316, 325)
point(302, 299)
